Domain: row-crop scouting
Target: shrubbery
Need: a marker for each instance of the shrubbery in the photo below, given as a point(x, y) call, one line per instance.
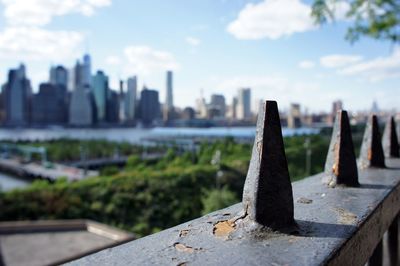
point(148, 196)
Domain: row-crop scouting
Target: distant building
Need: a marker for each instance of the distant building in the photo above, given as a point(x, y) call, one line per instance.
point(218, 104)
point(375, 108)
point(336, 106)
point(78, 76)
point(168, 112)
point(149, 106)
point(122, 108)
point(2, 113)
point(17, 98)
point(49, 105)
point(100, 92)
point(112, 109)
point(294, 116)
point(59, 76)
point(86, 71)
point(188, 113)
point(82, 105)
point(201, 108)
point(82, 111)
point(243, 111)
point(131, 99)
point(71, 79)
point(233, 113)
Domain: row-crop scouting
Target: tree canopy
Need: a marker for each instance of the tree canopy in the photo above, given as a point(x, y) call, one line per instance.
point(378, 19)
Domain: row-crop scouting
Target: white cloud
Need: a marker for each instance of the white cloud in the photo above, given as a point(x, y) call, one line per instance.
point(337, 60)
point(41, 12)
point(192, 41)
point(306, 64)
point(31, 43)
point(146, 60)
point(113, 60)
point(272, 19)
point(377, 69)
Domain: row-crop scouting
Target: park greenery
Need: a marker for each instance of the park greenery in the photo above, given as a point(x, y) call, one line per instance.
point(146, 196)
point(377, 19)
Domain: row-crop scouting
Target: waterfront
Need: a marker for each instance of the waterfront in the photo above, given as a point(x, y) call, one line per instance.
point(136, 135)
point(132, 135)
point(9, 182)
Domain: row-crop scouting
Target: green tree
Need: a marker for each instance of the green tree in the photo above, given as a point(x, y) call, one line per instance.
point(378, 19)
point(215, 199)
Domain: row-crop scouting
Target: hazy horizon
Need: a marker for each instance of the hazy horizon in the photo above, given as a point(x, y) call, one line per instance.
point(271, 46)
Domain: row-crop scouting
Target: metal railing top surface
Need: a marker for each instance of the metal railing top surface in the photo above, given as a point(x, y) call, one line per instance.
point(337, 217)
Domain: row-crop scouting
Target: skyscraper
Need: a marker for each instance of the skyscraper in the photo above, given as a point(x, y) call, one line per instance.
point(17, 97)
point(78, 78)
point(169, 100)
point(1, 108)
point(82, 108)
point(294, 117)
point(233, 110)
point(122, 109)
point(130, 99)
point(49, 105)
point(100, 92)
point(243, 111)
point(87, 71)
point(149, 106)
point(59, 76)
point(218, 103)
point(112, 109)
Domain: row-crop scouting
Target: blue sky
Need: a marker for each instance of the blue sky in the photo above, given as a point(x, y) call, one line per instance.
point(216, 46)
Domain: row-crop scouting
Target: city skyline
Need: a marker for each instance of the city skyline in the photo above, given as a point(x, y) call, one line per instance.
point(208, 46)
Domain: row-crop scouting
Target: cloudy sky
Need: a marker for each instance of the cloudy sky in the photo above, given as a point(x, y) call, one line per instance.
point(213, 46)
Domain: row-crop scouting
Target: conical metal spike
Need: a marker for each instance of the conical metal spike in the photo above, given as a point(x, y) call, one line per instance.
point(390, 141)
point(341, 164)
point(267, 194)
point(371, 154)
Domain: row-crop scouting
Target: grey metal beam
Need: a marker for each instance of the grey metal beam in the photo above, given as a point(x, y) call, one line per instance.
point(323, 226)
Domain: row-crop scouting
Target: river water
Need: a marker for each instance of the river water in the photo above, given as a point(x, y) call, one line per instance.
point(132, 135)
point(135, 135)
point(8, 182)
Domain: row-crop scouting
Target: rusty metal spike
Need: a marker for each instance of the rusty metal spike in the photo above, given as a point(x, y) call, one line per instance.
point(267, 194)
point(389, 141)
point(371, 154)
point(341, 163)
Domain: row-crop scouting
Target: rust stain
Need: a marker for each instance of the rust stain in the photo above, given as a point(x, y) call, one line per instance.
point(335, 167)
point(183, 248)
point(223, 228)
point(345, 217)
point(369, 154)
point(304, 200)
point(184, 233)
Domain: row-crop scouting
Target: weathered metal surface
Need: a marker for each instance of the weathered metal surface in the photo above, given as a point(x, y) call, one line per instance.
point(341, 164)
point(390, 141)
point(340, 226)
point(371, 153)
point(267, 193)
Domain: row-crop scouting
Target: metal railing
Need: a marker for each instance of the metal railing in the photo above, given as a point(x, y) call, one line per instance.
point(338, 217)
